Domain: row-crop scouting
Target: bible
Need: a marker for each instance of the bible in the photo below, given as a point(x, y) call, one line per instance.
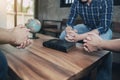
point(59, 44)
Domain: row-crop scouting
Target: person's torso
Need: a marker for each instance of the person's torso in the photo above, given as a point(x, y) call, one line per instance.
point(90, 14)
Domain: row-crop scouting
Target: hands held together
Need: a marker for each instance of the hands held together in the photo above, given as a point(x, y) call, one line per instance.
point(92, 41)
point(20, 37)
point(71, 35)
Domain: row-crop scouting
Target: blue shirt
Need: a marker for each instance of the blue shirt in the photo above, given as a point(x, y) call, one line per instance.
point(97, 15)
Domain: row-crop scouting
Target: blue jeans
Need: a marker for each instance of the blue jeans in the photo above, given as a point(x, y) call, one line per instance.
point(81, 28)
point(3, 67)
point(105, 71)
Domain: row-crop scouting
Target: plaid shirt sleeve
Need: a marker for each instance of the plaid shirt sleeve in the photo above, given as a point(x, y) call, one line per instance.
point(73, 14)
point(106, 16)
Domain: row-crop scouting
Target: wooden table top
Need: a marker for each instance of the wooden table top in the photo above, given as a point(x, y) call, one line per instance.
point(40, 63)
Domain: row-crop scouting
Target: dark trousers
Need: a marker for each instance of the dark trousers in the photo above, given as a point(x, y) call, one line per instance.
point(104, 71)
point(3, 67)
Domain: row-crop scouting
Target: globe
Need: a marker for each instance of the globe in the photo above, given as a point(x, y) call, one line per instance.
point(34, 25)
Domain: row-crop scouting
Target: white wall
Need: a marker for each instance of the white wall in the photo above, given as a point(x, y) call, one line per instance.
point(3, 16)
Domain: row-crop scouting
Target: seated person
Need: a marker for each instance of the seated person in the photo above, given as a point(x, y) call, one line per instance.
point(97, 16)
point(17, 37)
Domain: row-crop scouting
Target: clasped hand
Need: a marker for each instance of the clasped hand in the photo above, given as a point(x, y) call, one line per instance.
point(20, 37)
point(71, 35)
point(92, 43)
point(91, 40)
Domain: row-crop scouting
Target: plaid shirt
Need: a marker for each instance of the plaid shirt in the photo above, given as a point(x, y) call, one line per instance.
point(97, 15)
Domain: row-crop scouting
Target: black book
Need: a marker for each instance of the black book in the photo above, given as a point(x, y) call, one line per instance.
point(59, 44)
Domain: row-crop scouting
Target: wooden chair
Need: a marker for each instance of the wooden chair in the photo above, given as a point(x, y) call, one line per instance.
point(51, 26)
point(56, 27)
point(64, 21)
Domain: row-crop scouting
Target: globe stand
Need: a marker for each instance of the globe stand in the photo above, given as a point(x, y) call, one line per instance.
point(34, 36)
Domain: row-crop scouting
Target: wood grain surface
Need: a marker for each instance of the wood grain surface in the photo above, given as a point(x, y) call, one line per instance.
point(40, 63)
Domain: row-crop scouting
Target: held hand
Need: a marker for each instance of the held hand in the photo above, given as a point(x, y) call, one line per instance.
point(24, 44)
point(20, 35)
point(67, 29)
point(72, 36)
point(89, 48)
point(92, 43)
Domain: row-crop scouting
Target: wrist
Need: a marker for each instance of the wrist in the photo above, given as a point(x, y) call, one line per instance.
point(13, 37)
point(82, 36)
point(102, 44)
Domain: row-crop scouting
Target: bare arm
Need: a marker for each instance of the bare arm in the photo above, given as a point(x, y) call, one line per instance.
point(73, 36)
point(94, 42)
point(6, 36)
point(112, 45)
point(83, 36)
point(17, 37)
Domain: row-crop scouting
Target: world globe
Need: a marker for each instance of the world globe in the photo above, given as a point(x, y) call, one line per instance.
point(34, 25)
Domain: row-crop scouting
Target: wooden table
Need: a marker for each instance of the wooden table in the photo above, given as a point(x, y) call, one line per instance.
point(40, 63)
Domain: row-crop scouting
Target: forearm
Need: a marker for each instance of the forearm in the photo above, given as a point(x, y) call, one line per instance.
point(112, 45)
point(6, 36)
point(84, 35)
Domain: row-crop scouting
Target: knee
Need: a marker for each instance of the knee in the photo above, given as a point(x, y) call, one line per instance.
point(107, 35)
point(79, 26)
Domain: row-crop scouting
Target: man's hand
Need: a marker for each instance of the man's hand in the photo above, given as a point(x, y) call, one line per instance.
point(93, 43)
point(20, 37)
point(25, 44)
point(71, 35)
point(67, 29)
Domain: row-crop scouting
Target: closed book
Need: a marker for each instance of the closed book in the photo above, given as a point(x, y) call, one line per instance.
point(59, 44)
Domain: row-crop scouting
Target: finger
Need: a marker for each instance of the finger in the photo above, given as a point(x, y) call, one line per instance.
point(85, 41)
point(71, 31)
point(72, 40)
point(91, 48)
point(69, 40)
point(28, 30)
point(24, 44)
point(70, 37)
point(88, 38)
point(28, 42)
point(68, 28)
point(20, 46)
point(86, 49)
point(86, 46)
